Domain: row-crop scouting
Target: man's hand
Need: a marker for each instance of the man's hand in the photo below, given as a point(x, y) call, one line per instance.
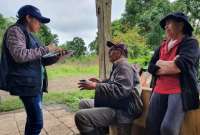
point(94, 80)
point(88, 85)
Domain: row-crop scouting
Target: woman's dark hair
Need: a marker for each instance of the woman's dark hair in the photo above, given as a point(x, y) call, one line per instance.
point(186, 30)
point(22, 20)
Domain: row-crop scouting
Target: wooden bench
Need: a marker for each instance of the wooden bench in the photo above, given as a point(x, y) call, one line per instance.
point(138, 124)
point(191, 124)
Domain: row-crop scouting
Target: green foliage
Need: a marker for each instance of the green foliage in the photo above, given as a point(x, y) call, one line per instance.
point(134, 9)
point(191, 8)
point(142, 61)
point(77, 44)
point(119, 26)
point(146, 15)
point(4, 23)
point(135, 42)
point(45, 35)
point(94, 48)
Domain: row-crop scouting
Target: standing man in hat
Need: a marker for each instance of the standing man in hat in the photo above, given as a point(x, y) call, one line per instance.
point(174, 66)
point(22, 55)
point(110, 95)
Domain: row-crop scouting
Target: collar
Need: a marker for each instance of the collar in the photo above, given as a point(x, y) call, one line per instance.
point(166, 42)
point(121, 60)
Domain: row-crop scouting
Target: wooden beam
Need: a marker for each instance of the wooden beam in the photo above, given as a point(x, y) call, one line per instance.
point(103, 12)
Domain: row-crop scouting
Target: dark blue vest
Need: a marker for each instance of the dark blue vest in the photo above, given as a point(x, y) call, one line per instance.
point(24, 79)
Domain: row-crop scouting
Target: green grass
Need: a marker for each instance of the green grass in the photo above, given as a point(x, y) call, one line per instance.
point(70, 67)
point(10, 104)
point(64, 70)
point(74, 67)
point(84, 66)
point(70, 99)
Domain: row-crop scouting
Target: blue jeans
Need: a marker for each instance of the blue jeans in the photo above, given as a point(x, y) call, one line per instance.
point(165, 114)
point(34, 121)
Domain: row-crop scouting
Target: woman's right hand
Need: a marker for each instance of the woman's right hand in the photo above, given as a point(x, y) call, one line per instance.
point(53, 48)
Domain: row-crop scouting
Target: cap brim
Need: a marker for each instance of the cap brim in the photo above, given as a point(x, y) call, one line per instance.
point(163, 21)
point(110, 44)
point(44, 20)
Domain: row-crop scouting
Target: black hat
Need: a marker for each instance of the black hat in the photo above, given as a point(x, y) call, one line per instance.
point(178, 16)
point(32, 11)
point(118, 46)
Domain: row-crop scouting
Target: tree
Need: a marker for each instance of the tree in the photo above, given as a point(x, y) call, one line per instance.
point(46, 36)
point(192, 9)
point(134, 9)
point(155, 33)
point(4, 24)
point(146, 15)
point(93, 46)
point(77, 44)
point(135, 42)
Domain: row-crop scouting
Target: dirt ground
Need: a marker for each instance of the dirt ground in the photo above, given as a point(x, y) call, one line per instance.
point(62, 84)
point(65, 84)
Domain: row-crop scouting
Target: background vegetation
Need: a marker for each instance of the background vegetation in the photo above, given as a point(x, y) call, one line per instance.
point(138, 28)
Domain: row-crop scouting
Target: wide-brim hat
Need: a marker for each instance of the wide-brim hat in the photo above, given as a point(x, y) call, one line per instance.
point(177, 16)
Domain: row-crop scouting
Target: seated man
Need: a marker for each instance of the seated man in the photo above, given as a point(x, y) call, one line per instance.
point(112, 97)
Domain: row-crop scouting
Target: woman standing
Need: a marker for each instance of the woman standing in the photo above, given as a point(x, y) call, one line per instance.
point(22, 55)
point(174, 66)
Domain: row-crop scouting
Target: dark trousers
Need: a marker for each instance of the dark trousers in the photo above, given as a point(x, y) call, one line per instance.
point(94, 121)
point(165, 114)
point(34, 121)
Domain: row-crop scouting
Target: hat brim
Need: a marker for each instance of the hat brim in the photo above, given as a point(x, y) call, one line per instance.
point(163, 21)
point(43, 19)
point(110, 44)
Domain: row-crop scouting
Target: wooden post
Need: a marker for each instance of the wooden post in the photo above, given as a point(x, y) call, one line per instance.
point(103, 12)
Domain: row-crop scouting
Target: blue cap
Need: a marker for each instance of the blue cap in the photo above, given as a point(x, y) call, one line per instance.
point(32, 11)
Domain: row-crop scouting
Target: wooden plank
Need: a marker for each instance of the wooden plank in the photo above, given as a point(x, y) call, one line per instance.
point(103, 12)
point(191, 124)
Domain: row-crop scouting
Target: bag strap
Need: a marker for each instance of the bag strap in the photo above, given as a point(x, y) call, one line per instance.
point(136, 78)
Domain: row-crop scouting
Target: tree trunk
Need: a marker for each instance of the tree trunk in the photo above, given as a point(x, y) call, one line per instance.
point(103, 12)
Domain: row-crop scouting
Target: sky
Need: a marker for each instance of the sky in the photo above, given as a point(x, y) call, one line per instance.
point(69, 18)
